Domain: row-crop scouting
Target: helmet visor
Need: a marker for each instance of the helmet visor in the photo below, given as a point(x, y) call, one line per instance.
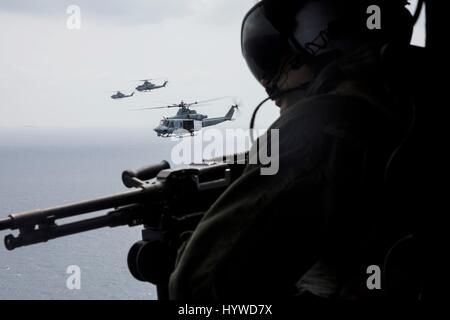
point(264, 48)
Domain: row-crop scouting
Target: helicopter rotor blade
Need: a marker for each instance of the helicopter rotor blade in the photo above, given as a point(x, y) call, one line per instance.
point(198, 106)
point(203, 103)
point(164, 107)
point(236, 102)
point(206, 101)
point(151, 108)
point(142, 80)
point(238, 111)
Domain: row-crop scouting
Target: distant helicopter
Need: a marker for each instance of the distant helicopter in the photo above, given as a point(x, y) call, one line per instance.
point(149, 86)
point(120, 95)
point(187, 120)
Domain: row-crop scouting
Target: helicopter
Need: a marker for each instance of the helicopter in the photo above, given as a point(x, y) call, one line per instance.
point(149, 86)
point(187, 120)
point(120, 95)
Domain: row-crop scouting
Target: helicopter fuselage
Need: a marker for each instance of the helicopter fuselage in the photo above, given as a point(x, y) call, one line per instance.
point(120, 95)
point(188, 121)
point(148, 86)
point(186, 113)
point(178, 127)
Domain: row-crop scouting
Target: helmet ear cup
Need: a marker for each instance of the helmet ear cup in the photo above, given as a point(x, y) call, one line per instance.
point(322, 26)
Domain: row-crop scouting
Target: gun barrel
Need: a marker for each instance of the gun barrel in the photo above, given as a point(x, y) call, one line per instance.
point(5, 224)
point(32, 218)
point(123, 216)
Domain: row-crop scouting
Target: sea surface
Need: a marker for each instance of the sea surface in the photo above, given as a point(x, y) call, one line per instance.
point(43, 167)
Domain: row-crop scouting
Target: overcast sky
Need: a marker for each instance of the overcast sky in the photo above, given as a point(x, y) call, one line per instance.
point(55, 77)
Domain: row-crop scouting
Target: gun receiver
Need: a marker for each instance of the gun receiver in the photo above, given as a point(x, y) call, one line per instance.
point(162, 200)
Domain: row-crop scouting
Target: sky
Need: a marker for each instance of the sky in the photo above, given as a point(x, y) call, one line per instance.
point(55, 77)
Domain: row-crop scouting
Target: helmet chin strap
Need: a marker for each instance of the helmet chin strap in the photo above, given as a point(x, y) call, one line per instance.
point(272, 88)
point(274, 94)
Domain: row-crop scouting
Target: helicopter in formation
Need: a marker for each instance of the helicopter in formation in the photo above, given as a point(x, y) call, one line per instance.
point(120, 95)
point(147, 85)
point(188, 120)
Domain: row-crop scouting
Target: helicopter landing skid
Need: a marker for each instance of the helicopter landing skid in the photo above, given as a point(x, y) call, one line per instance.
point(178, 136)
point(192, 134)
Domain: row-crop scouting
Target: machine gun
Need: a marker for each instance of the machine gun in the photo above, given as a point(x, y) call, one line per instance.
point(167, 202)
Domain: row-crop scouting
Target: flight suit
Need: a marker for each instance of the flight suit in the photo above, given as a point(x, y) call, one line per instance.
point(317, 224)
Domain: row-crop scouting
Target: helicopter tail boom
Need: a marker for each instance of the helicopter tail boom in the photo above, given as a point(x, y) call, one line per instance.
point(230, 112)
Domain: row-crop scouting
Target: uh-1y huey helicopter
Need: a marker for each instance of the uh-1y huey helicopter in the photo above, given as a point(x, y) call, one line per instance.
point(187, 120)
point(120, 95)
point(147, 85)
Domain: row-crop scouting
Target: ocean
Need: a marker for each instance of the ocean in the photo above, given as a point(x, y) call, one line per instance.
point(43, 167)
